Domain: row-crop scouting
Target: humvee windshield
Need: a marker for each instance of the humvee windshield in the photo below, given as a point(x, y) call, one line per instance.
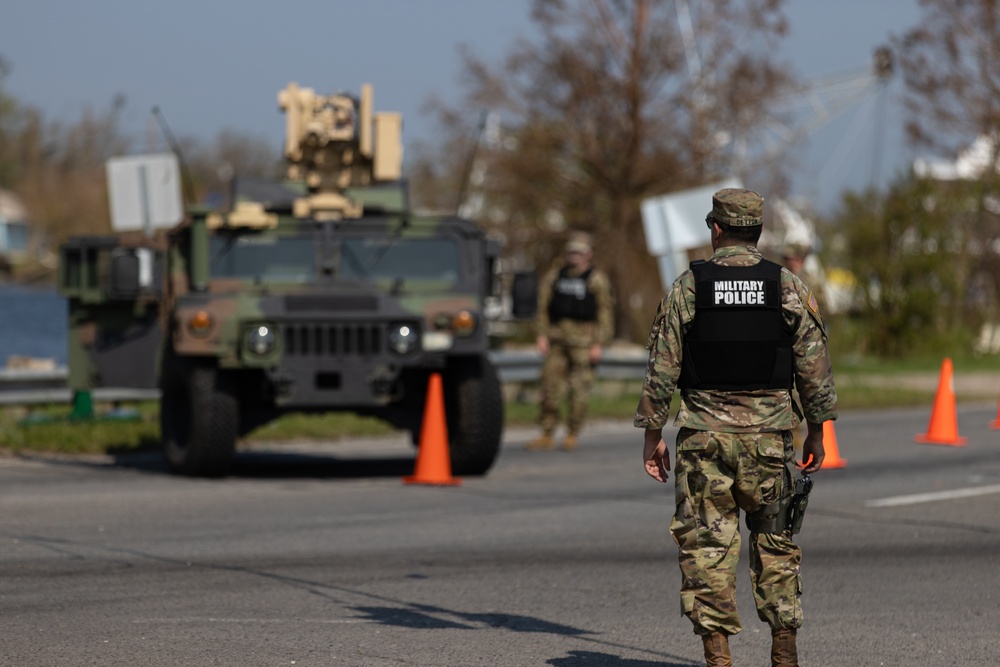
point(266, 258)
point(293, 259)
point(385, 258)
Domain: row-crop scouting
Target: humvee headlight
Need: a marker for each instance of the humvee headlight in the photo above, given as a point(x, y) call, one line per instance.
point(200, 324)
point(464, 324)
point(261, 339)
point(403, 339)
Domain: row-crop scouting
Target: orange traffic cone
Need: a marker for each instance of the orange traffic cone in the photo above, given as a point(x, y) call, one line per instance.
point(433, 459)
point(995, 424)
point(832, 458)
point(943, 429)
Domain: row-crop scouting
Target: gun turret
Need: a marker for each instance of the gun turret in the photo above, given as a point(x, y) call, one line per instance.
point(335, 142)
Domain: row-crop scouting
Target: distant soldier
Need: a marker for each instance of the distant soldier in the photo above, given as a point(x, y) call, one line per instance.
point(794, 256)
point(574, 322)
point(734, 333)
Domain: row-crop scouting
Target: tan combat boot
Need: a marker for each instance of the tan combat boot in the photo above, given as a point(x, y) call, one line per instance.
point(542, 442)
point(717, 650)
point(570, 443)
point(783, 651)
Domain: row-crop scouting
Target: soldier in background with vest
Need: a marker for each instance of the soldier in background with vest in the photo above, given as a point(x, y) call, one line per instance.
point(794, 257)
point(574, 322)
point(734, 334)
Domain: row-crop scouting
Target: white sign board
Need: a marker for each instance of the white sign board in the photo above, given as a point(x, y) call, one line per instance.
point(145, 192)
point(675, 224)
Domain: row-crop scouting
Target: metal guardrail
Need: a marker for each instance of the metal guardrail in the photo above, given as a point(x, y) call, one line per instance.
point(33, 387)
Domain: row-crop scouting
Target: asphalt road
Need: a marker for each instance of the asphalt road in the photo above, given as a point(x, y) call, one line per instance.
point(321, 556)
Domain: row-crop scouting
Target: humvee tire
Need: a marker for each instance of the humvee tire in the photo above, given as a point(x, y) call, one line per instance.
point(199, 418)
point(474, 411)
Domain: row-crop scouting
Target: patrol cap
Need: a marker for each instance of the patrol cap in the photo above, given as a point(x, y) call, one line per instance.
point(737, 207)
point(795, 249)
point(578, 242)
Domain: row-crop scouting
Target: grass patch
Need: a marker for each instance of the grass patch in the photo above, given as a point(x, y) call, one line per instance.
point(518, 413)
point(47, 428)
point(861, 396)
point(851, 364)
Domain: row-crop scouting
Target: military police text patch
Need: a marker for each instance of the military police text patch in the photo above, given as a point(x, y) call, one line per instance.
point(574, 287)
point(741, 287)
point(738, 292)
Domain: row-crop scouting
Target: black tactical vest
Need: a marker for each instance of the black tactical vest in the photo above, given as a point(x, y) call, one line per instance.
point(572, 298)
point(738, 339)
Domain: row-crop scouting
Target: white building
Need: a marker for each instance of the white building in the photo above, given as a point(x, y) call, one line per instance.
point(14, 237)
point(970, 164)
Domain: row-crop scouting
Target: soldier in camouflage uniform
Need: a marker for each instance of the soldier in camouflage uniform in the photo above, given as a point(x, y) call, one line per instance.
point(574, 323)
point(733, 334)
point(793, 257)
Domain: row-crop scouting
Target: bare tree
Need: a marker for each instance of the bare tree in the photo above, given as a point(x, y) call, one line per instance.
point(616, 101)
point(62, 175)
point(951, 68)
point(230, 155)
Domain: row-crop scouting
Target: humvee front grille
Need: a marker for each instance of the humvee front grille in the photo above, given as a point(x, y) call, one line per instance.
point(333, 340)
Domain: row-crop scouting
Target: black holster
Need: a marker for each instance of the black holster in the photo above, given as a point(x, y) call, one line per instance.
point(785, 515)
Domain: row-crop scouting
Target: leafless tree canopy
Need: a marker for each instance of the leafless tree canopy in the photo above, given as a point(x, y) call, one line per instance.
point(951, 67)
point(613, 102)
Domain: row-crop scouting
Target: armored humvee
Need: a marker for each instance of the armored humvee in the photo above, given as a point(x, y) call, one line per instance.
point(324, 292)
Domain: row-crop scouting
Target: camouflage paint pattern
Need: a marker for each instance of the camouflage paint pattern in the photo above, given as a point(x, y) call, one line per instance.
point(282, 302)
point(716, 476)
point(567, 371)
point(104, 349)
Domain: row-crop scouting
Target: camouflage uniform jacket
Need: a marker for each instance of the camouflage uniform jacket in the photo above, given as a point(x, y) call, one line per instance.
point(571, 332)
point(748, 411)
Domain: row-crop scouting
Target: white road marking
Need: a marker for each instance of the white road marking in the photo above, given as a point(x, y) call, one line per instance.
point(917, 498)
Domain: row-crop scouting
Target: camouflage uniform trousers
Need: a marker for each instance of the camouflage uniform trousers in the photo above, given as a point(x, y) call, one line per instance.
point(566, 368)
point(717, 474)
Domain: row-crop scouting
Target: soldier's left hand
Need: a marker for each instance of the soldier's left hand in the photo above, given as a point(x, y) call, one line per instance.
point(595, 353)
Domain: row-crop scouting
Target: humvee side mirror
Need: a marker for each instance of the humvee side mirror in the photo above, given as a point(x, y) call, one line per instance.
point(131, 273)
point(524, 295)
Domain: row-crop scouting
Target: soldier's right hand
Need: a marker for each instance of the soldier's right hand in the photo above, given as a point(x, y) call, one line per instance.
point(655, 457)
point(812, 449)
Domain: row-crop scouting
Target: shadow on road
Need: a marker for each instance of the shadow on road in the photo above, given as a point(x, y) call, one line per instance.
point(430, 617)
point(594, 659)
point(420, 616)
point(380, 609)
point(282, 465)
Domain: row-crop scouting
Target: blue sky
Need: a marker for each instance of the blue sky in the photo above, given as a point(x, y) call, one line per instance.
point(214, 65)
